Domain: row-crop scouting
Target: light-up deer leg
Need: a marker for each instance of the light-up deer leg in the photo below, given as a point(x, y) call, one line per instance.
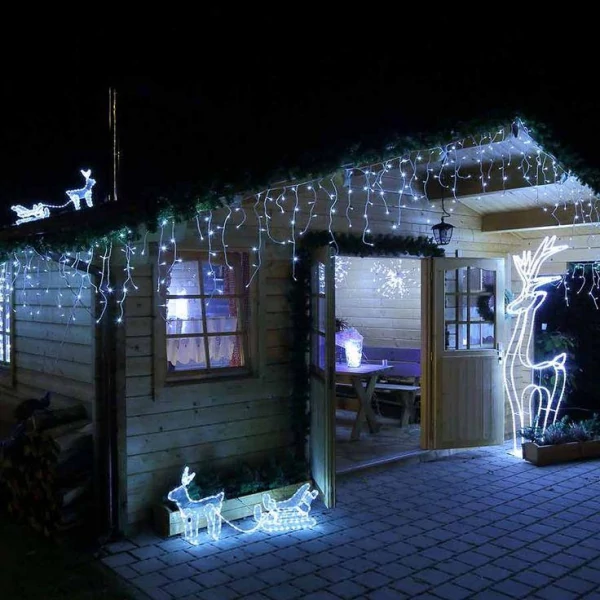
point(213, 522)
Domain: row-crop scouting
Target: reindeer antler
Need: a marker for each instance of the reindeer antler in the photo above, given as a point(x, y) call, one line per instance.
point(186, 477)
point(529, 266)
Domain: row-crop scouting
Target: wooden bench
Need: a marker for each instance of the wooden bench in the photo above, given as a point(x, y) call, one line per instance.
point(400, 385)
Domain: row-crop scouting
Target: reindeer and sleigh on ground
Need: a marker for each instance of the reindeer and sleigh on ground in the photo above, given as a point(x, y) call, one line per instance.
point(42, 211)
point(272, 517)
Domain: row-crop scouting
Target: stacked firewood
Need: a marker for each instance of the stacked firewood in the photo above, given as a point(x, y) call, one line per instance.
point(46, 469)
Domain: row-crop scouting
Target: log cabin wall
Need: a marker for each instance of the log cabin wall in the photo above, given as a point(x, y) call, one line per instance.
point(54, 339)
point(216, 423)
point(204, 424)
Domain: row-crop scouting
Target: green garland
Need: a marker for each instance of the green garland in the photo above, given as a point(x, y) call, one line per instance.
point(299, 298)
point(182, 202)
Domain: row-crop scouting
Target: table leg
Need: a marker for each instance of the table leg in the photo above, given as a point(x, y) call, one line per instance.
point(365, 411)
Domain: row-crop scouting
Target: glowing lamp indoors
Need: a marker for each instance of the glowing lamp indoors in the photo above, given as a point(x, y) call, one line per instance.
point(352, 342)
point(353, 353)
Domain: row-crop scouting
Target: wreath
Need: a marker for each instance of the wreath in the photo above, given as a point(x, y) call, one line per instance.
point(486, 303)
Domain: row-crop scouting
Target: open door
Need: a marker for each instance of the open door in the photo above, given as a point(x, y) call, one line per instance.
point(322, 374)
point(462, 399)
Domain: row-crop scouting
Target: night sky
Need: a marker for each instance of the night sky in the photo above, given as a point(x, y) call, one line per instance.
point(225, 116)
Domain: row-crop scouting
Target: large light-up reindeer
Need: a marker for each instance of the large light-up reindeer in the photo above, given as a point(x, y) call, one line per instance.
point(193, 510)
point(519, 353)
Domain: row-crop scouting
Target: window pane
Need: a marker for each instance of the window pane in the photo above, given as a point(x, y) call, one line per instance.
point(475, 279)
point(321, 278)
point(475, 335)
point(213, 278)
point(314, 356)
point(184, 316)
point(462, 337)
point(225, 351)
point(487, 334)
point(186, 353)
point(484, 307)
point(221, 307)
point(488, 278)
point(321, 352)
point(450, 337)
point(450, 281)
point(221, 324)
point(184, 279)
point(450, 314)
point(322, 313)
point(462, 279)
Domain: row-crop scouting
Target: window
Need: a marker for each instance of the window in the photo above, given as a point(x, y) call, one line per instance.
point(5, 314)
point(469, 300)
point(207, 315)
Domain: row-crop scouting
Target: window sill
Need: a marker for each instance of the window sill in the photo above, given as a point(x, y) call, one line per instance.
point(195, 377)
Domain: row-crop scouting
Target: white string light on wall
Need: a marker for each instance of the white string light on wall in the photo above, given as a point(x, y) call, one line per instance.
point(393, 280)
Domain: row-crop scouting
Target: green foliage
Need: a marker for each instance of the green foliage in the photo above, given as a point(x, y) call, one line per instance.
point(563, 431)
point(549, 344)
point(244, 478)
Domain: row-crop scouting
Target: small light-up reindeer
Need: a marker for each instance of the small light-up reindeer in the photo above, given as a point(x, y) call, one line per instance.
point(193, 510)
point(84, 193)
point(520, 348)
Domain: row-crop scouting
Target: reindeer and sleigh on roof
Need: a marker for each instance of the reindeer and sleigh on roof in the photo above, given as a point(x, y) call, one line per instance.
point(41, 210)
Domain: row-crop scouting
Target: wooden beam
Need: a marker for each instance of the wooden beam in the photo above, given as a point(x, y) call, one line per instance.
point(538, 218)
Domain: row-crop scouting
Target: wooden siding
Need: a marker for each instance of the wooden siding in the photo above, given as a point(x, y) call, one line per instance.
point(204, 424)
point(382, 321)
point(54, 347)
point(218, 423)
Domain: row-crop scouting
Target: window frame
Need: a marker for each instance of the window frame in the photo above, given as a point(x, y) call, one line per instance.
point(246, 302)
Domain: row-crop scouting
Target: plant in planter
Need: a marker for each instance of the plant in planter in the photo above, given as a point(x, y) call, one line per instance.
point(562, 441)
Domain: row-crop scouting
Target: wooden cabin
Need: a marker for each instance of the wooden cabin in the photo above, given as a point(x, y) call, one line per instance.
point(180, 342)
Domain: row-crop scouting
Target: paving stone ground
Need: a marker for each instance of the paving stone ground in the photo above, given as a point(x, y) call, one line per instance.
point(479, 524)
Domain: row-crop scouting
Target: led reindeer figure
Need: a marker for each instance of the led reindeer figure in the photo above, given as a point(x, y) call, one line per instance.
point(520, 348)
point(84, 193)
point(193, 510)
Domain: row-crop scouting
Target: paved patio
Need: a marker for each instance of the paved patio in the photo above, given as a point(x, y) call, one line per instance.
point(478, 524)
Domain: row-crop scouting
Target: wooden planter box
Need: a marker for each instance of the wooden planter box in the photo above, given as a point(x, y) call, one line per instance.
point(557, 453)
point(167, 518)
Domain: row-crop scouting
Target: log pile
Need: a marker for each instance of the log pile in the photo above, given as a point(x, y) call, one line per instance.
point(46, 470)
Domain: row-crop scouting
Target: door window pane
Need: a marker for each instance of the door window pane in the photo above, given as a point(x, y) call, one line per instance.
point(469, 298)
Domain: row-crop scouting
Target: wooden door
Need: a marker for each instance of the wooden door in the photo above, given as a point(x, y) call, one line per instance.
point(462, 399)
point(322, 374)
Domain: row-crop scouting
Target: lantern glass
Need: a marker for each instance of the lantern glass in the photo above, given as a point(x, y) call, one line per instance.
point(442, 232)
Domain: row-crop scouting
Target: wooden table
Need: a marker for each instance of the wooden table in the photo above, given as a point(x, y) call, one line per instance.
point(345, 374)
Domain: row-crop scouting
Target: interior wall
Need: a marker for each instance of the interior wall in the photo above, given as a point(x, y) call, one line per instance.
point(367, 297)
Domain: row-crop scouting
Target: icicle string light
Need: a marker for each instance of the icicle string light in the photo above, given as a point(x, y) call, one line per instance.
point(362, 197)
